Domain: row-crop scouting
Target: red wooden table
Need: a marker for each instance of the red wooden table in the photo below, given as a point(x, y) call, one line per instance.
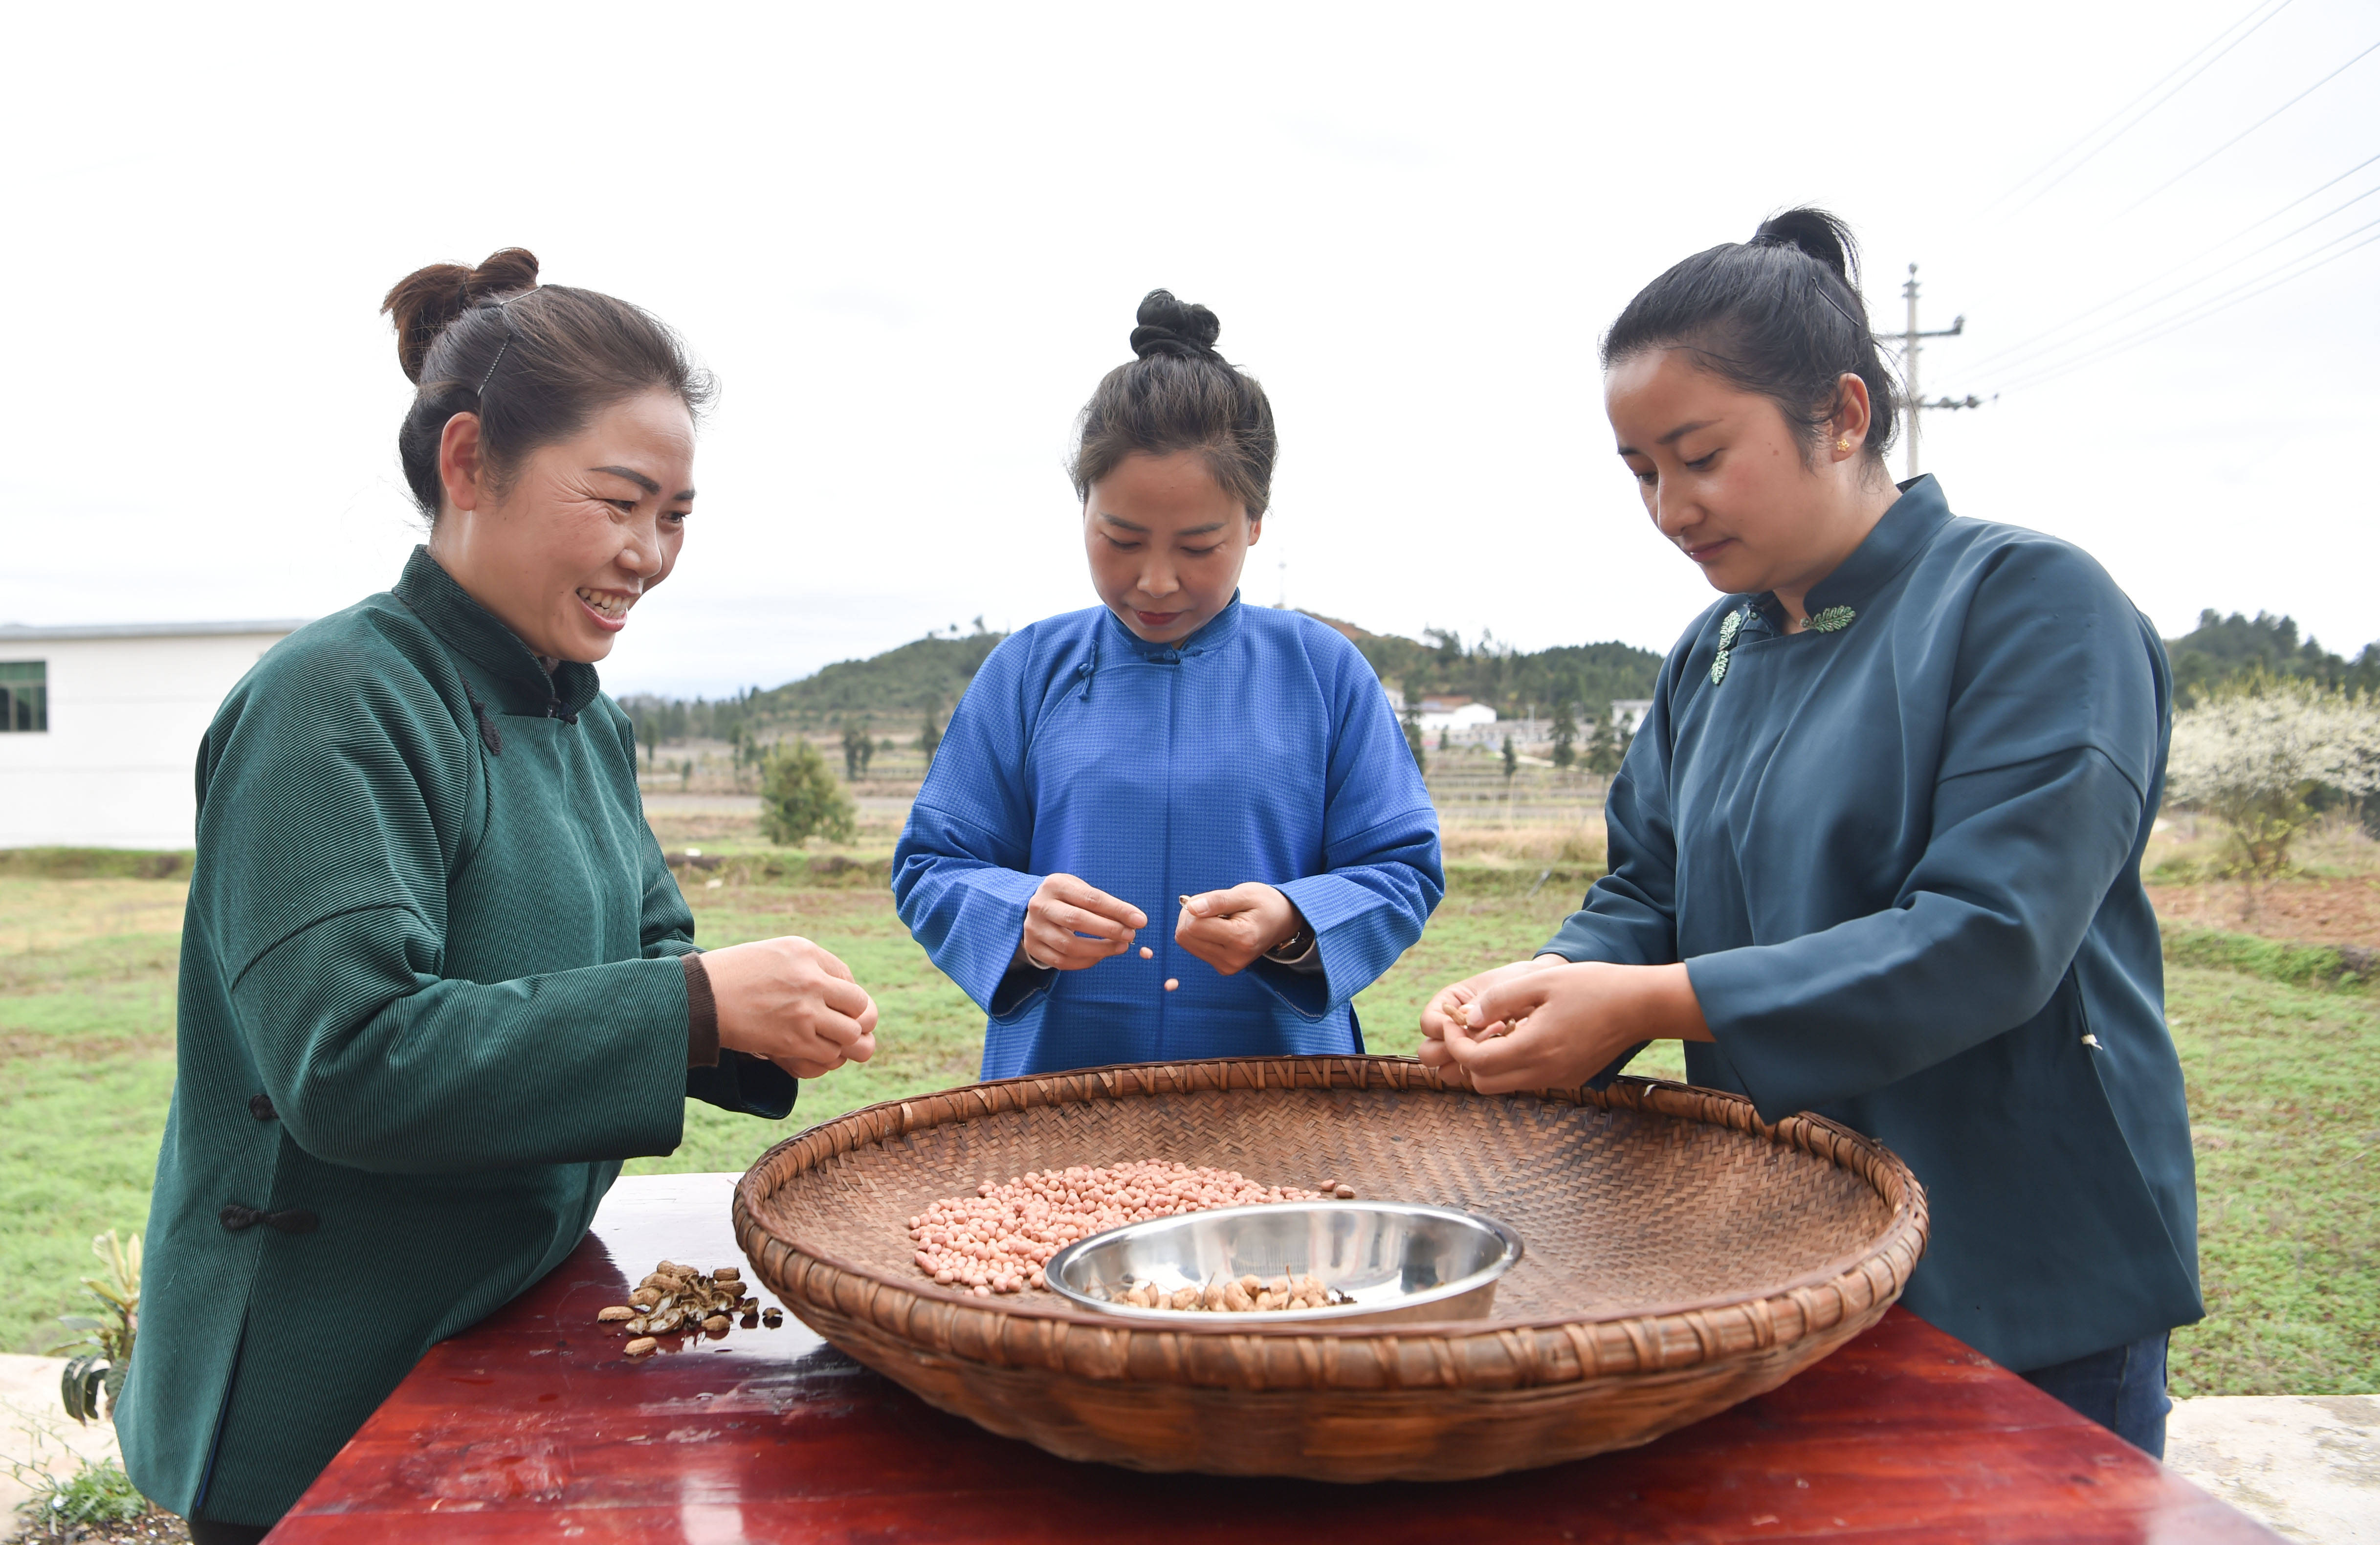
point(533, 1426)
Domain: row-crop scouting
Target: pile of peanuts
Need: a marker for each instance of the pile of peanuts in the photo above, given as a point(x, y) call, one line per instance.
point(998, 1240)
point(1237, 1296)
point(683, 1299)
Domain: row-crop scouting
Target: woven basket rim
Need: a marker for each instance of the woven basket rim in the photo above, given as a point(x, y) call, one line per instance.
point(1892, 1180)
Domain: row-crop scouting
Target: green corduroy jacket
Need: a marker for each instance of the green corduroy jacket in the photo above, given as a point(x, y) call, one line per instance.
point(430, 1000)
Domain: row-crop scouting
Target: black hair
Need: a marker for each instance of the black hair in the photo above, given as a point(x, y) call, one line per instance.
point(1177, 394)
point(535, 362)
point(1779, 315)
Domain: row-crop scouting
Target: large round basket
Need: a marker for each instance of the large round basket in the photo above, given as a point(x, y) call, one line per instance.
point(1682, 1255)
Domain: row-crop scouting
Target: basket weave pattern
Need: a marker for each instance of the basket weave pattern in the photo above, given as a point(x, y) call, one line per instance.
point(1682, 1256)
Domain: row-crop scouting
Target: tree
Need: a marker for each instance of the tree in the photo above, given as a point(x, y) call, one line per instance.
point(1605, 745)
point(858, 746)
point(1511, 761)
point(2257, 752)
point(929, 734)
point(799, 797)
point(1412, 736)
point(1565, 735)
point(1445, 737)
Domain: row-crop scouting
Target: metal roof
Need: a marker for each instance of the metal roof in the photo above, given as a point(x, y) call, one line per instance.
point(16, 633)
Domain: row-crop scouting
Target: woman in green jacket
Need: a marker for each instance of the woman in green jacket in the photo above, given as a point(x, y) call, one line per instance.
point(437, 982)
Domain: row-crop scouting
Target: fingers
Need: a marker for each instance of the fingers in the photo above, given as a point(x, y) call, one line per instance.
point(1068, 919)
point(1514, 998)
point(1504, 1063)
point(845, 997)
point(1090, 898)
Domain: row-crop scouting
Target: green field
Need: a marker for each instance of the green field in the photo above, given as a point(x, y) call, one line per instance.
point(2284, 1086)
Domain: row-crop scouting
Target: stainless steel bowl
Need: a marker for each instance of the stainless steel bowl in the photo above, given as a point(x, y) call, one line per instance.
point(1397, 1261)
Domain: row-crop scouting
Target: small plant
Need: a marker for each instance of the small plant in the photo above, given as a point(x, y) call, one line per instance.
point(800, 799)
point(65, 1510)
point(103, 1346)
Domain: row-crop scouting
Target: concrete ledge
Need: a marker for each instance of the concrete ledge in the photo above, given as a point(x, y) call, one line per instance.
point(35, 1430)
point(2308, 1465)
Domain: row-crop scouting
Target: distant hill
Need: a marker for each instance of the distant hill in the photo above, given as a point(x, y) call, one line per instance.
point(2220, 647)
point(928, 673)
point(1587, 676)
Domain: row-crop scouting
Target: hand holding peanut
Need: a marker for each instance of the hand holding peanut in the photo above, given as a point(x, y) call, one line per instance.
point(1228, 930)
point(792, 1003)
point(1069, 924)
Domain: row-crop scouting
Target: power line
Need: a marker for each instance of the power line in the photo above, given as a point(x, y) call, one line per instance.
point(2119, 112)
point(2251, 127)
point(2023, 357)
point(2023, 344)
point(2245, 291)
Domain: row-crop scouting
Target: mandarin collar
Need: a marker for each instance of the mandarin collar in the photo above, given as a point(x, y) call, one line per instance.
point(1216, 629)
point(473, 631)
point(1906, 527)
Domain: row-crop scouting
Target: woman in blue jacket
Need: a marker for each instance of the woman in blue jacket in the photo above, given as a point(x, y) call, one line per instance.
point(1170, 751)
point(1877, 851)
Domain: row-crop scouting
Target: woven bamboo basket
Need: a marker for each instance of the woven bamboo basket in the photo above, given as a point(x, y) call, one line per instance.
point(1683, 1256)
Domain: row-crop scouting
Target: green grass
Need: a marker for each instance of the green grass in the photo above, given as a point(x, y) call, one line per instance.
point(2285, 1112)
point(2284, 1078)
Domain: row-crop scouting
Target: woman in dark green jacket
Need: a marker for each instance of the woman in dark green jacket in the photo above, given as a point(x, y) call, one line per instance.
point(437, 980)
point(1877, 850)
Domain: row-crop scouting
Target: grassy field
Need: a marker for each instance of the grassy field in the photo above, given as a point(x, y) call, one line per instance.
point(2284, 1079)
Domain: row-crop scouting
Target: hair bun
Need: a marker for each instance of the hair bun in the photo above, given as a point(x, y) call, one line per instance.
point(1815, 234)
point(426, 301)
point(1167, 326)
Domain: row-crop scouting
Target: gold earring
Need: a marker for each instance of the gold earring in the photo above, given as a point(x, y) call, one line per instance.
point(1842, 442)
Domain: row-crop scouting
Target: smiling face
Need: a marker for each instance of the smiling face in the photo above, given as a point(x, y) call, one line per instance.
point(1728, 481)
point(1166, 544)
point(562, 549)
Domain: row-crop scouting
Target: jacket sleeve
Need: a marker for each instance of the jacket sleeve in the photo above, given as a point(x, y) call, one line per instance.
point(2051, 743)
point(332, 809)
point(1382, 875)
point(960, 880)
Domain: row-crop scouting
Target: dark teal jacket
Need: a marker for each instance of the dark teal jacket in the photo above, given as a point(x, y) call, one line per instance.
point(1901, 858)
point(429, 999)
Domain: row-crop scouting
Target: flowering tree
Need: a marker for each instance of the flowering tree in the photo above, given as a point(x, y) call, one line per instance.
point(2253, 753)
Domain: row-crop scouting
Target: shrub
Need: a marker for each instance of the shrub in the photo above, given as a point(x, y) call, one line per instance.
point(800, 799)
point(2254, 754)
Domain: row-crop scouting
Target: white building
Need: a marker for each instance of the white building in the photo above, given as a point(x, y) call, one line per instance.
point(100, 727)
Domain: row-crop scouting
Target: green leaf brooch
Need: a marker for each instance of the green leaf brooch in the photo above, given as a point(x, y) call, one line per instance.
point(1834, 619)
point(1728, 630)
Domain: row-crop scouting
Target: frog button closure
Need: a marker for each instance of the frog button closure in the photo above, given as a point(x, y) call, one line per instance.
point(293, 1220)
point(260, 1107)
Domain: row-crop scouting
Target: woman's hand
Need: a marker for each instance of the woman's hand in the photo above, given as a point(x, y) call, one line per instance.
point(1558, 1024)
point(1437, 1015)
point(1228, 930)
point(792, 1003)
point(1063, 910)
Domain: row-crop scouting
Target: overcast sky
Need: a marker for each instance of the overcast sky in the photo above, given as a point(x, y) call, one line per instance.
point(910, 240)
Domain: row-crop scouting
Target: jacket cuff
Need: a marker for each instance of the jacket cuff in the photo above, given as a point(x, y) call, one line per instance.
point(701, 1015)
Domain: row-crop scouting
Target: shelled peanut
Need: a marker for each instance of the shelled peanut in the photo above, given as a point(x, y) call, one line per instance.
point(998, 1239)
point(681, 1299)
point(1244, 1294)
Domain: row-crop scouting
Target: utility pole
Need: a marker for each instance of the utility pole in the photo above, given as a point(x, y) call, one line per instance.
point(1908, 348)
